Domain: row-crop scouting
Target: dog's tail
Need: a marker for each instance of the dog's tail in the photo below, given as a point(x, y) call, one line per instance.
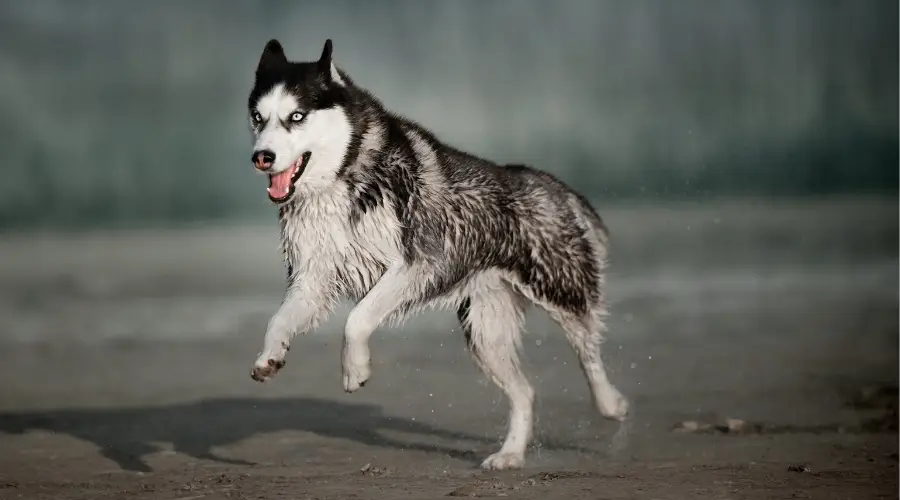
point(589, 218)
point(597, 235)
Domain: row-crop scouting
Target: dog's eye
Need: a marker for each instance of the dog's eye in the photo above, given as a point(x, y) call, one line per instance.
point(256, 118)
point(297, 117)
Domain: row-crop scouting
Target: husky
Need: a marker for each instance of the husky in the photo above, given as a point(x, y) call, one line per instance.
point(374, 208)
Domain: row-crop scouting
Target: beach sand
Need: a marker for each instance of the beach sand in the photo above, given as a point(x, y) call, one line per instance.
point(125, 361)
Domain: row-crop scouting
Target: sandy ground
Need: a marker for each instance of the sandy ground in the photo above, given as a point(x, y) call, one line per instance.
point(125, 364)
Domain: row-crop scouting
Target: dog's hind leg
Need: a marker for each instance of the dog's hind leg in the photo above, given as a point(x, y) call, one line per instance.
point(492, 316)
point(400, 285)
point(585, 334)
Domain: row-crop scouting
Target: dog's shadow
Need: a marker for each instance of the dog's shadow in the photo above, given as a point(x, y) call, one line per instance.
point(127, 435)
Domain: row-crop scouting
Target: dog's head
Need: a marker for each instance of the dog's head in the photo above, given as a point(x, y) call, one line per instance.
point(299, 121)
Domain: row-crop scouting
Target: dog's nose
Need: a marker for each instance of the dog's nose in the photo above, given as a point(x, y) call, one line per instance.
point(263, 160)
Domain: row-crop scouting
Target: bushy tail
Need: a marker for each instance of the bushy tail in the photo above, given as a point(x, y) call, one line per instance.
point(597, 231)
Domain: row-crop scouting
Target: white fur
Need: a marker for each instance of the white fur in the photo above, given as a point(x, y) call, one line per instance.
point(396, 286)
point(495, 319)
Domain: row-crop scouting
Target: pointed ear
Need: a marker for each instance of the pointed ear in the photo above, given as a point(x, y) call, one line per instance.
point(326, 66)
point(272, 56)
point(325, 59)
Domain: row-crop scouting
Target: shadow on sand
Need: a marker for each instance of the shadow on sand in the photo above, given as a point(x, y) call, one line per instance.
point(127, 435)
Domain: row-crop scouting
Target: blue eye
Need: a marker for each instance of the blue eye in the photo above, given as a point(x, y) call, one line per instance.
point(297, 116)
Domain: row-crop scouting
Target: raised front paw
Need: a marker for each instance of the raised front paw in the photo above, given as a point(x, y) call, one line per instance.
point(264, 369)
point(356, 367)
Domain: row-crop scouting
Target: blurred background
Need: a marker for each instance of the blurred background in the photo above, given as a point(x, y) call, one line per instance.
point(134, 113)
point(743, 153)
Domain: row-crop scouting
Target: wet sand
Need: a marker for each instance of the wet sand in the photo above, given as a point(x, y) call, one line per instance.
point(125, 359)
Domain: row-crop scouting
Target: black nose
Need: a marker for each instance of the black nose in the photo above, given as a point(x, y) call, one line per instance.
point(263, 160)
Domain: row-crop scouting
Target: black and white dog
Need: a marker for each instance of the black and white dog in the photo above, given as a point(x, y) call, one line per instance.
point(375, 208)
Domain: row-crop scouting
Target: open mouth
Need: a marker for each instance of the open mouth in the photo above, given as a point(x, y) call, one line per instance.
point(281, 185)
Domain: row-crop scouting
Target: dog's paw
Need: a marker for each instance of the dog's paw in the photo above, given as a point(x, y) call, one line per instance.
point(265, 369)
point(356, 367)
point(613, 405)
point(504, 461)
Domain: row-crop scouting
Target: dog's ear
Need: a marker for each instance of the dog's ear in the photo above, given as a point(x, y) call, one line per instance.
point(272, 56)
point(326, 65)
point(325, 58)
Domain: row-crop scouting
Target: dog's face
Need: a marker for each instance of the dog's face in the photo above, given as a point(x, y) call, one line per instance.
point(299, 122)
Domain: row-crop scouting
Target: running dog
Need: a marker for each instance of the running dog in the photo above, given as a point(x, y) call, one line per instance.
point(375, 208)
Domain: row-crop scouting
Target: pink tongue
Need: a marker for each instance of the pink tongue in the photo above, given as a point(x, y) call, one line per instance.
point(280, 183)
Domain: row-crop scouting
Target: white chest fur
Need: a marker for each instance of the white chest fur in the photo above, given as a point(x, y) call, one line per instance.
point(322, 243)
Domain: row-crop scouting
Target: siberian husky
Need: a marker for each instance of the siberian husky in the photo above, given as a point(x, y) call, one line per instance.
point(375, 208)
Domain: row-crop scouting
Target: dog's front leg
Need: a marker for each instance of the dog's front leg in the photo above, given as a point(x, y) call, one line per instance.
point(303, 307)
point(399, 285)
